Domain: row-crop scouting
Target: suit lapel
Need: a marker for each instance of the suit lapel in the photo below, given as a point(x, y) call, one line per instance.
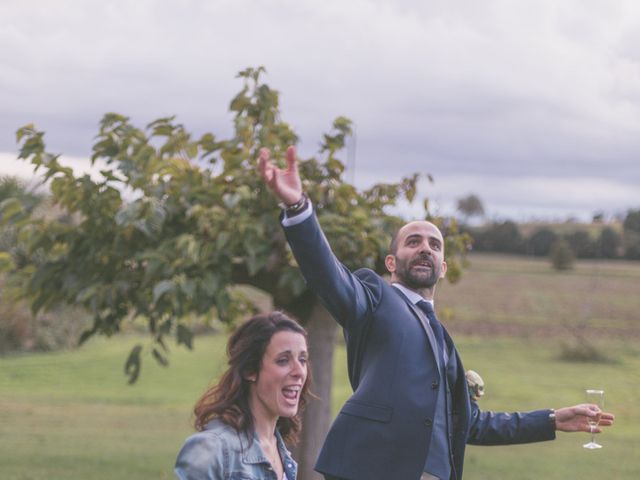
point(420, 316)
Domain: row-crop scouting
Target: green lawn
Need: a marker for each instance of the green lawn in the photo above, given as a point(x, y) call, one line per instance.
point(600, 298)
point(72, 416)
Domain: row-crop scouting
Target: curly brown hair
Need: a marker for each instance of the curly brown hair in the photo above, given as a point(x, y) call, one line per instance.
point(228, 400)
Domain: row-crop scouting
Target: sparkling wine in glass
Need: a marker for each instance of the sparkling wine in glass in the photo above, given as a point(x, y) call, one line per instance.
point(597, 398)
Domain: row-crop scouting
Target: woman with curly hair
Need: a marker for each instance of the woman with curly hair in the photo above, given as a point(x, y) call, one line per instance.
point(244, 421)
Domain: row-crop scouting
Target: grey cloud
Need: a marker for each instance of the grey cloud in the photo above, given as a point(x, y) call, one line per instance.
point(500, 89)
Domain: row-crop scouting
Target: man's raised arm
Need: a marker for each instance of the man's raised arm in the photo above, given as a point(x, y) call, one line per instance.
point(344, 294)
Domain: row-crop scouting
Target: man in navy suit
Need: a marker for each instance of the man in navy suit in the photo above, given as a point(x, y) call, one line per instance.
point(410, 416)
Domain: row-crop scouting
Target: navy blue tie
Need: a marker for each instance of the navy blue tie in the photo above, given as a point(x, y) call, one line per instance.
point(436, 326)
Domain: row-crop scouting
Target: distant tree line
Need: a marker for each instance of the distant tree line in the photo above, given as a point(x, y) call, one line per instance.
point(507, 237)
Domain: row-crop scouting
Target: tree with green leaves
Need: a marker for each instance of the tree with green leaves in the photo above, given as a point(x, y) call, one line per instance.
point(581, 243)
point(609, 243)
point(632, 222)
point(470, 206)
point(502, 237)
point(176, 223)
point(541, 242)
point(631, 226)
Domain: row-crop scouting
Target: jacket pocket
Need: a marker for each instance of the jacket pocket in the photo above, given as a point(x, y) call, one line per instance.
point(370, 411)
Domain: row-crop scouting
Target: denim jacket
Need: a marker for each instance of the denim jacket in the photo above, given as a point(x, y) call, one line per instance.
point(221, 453)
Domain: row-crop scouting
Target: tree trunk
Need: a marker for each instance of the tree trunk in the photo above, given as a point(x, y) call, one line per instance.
point(316, 418)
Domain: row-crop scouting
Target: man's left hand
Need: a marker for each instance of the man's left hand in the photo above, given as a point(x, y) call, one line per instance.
point(575, 419)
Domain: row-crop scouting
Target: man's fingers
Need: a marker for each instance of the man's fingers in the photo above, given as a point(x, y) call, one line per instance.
point(270, 172)
point(291, 158)
point(263, 160)
point(587, 409)
point(606, 419)
point(264, 165)
point(601, 424)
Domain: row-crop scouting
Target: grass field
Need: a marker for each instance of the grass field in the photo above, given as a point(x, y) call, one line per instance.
point(524, 297)
point(71, 415)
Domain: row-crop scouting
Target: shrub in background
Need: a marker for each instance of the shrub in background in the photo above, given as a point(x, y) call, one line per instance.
point(20, 330)
point(562, 257)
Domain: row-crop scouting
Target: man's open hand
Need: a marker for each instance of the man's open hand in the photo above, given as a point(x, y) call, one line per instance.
point(285, 183)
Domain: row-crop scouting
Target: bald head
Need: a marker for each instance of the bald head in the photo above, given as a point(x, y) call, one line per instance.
point(411, 226)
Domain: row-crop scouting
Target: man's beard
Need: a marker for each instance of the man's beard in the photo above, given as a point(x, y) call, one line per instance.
point(414, 280)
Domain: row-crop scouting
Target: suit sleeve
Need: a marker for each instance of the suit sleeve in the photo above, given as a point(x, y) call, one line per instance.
point(347, 296)
point(498, 428)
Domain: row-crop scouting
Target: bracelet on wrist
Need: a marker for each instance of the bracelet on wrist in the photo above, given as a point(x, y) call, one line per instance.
point(552, 418)
point(297, 207)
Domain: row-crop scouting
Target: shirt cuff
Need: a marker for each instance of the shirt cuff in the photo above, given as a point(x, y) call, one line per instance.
point(298, 218)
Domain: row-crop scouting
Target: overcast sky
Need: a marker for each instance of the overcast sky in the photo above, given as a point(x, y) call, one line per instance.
point(532, 105)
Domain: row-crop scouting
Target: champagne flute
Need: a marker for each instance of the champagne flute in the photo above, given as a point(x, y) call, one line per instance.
point(596, 397)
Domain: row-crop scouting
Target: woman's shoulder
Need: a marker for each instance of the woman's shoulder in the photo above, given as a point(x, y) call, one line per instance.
point(214, 433)
point(199, 442)
point(218, 427)
point(204, 451)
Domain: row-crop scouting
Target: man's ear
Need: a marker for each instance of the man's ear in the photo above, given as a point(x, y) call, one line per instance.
point(444, 269)
point(390, 263)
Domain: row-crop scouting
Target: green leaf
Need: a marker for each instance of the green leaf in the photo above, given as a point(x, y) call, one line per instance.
point(6, 262)
point(133, 364)
point(160, 358)
point(23, 131)
point(222, 240)
point(188, 287)
point(11, 209)
point(156, 217)
point(161, 288)
point(86, 293)
point(185, 336)
point(211, 284)
point(165, 328)
point(87, 334)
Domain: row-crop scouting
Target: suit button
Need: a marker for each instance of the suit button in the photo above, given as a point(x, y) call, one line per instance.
point(435, 385)
point(428, 422)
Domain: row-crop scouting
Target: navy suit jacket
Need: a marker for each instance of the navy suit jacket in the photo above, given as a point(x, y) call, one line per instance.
point(384, 430)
